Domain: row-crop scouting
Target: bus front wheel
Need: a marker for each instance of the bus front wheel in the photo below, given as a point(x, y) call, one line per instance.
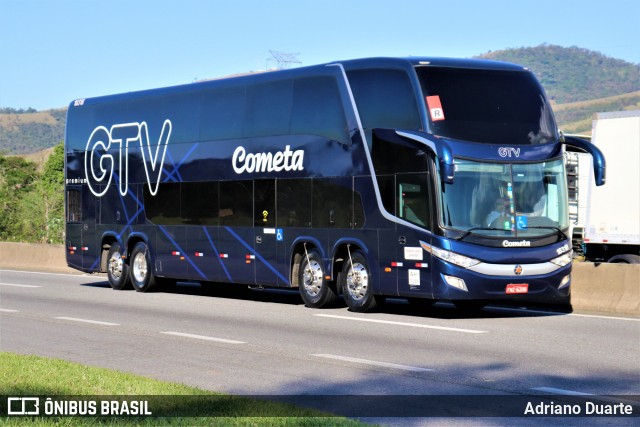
point(357, 288)
point(314, 287)
point(140, 269)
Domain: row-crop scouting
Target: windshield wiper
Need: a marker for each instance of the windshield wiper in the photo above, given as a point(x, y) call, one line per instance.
point(471, 230)
point(558, 231)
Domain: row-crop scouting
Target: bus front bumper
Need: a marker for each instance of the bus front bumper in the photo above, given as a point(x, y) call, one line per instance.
point(535, 282)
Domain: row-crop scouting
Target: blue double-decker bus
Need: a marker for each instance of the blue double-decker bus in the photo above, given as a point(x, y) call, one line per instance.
point(423, 178)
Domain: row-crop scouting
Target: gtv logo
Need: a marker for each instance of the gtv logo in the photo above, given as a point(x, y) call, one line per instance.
point(509, 152)
point(99, 164)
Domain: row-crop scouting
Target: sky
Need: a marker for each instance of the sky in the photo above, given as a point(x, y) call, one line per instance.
point(55, 51)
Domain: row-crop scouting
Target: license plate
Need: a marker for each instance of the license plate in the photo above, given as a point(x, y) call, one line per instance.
point(517, 288)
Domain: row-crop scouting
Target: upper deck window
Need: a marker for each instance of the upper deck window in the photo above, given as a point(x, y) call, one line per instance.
point(487, 106)
point(385, 99)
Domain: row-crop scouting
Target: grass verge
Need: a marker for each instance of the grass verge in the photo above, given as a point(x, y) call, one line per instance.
point(38, 376)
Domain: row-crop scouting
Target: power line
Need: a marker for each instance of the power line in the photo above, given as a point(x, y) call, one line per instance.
point(283, 60)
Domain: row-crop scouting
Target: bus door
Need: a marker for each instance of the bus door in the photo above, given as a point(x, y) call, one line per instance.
point(412, 194)
point(90, 251)
point(268, 239)
point(74, 226)
point(81, 228)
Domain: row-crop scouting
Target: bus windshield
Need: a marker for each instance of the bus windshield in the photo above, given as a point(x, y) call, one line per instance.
point(506, 200)
point(487, 106)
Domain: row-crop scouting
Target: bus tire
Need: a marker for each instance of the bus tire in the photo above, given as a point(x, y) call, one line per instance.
point(117, 268)
point(140, 269)
point(356, 284)
point(315, 290)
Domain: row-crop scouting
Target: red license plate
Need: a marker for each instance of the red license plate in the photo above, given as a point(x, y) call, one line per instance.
point(517, 288)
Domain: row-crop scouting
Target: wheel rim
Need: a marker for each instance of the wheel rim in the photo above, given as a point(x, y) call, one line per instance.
point(140, 267)
point(357, 281)
point(115, 265)
point(312, 278)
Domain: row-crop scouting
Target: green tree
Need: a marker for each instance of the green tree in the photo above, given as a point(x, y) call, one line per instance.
point(52, 190)
point(32, 203)
point(17, 179)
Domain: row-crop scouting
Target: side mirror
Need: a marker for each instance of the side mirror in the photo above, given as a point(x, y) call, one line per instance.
point(583, 146)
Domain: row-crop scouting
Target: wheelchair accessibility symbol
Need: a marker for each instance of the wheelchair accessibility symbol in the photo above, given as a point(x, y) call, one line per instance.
point(279, 235)
point(522, 222)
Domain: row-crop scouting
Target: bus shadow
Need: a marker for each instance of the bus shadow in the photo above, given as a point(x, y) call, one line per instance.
point(235, 291)
point(104, 284)
point(447, 310)
point(395, 306)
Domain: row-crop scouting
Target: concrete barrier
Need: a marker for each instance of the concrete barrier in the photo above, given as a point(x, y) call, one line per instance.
point(608, 288)
point(34, 257)
point(605, 288)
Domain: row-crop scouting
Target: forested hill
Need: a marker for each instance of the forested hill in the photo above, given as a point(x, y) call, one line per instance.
point(580, 82)
point(571, 74)
point(27, 131)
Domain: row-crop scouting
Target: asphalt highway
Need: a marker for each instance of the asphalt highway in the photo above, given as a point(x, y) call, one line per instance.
point(240, 341)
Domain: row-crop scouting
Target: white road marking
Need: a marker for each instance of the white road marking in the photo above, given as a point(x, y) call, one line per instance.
point(7, 310)
point(558, 313)
point(604, 317)
point(374, 363)
point(95, 322)
point(16, 285)
point(413, 325)
point(202, 337)
point(58, 274)
point(552, 390)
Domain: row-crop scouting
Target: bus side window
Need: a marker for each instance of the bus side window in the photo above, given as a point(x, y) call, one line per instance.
point(164, 207)
point(413, 198)
point(293, 202)
point(223, 114)
point(265, 203)
point(236, 203)
point(199, 201)
point(332, 203)
point(387, 183)
point(317, 109)
point(268, 109)
point(385, 98)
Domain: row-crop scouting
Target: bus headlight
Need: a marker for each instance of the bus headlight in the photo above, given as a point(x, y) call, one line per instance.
point(563, 260)
point(454, 258)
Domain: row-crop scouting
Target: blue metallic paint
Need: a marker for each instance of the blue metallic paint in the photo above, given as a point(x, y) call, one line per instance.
point(202, 160)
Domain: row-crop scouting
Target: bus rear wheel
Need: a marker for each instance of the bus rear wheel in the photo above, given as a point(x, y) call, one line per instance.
point(314, 287)
point(140, 269)
point(357, 288)
point(117, 268)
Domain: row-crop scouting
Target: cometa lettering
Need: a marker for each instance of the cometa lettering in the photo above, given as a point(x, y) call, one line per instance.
point(520, 244)
point(286, 160)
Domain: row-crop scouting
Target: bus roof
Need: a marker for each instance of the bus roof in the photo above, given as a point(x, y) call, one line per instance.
point(351, 64)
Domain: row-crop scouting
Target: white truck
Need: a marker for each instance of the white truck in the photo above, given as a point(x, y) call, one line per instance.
point(607, 220)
